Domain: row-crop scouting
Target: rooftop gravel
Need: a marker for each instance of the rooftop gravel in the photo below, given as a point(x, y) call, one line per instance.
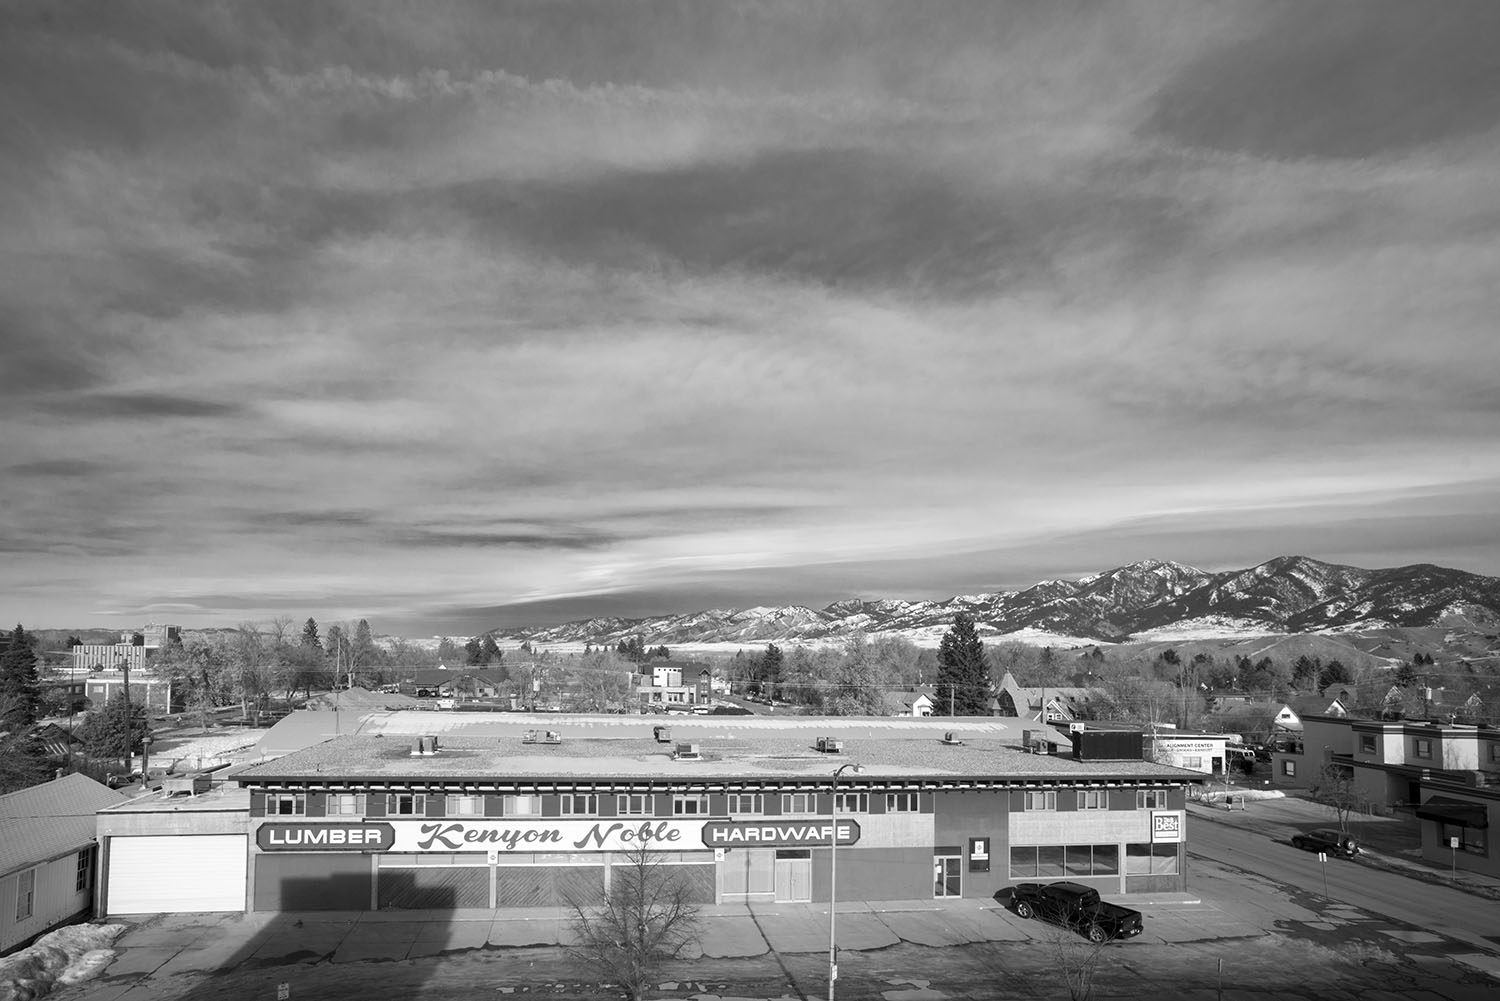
point(723, 755)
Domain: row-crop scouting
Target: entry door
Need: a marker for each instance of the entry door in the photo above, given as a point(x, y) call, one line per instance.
point(793, 875)
point(946, 876)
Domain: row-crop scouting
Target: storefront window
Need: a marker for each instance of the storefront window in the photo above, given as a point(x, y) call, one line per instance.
point(1150, 859)
point(1049, 861)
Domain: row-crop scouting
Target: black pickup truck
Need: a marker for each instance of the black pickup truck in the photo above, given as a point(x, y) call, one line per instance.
point(1078, 907)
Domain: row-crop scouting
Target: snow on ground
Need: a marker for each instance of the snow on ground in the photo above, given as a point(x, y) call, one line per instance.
point(1207, 627)
point(189, 751)
point(68, 955)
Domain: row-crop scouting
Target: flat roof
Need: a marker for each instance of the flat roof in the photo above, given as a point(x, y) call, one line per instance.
point(726, 754)
point(225, 798)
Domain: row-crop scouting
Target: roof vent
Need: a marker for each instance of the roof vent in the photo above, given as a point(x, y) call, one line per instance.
point(687, 752)
point(830, 745)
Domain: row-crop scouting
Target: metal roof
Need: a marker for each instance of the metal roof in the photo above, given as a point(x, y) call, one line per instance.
point(50, 819)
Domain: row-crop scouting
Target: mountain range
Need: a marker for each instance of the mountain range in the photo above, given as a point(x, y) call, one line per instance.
point(1140, 601)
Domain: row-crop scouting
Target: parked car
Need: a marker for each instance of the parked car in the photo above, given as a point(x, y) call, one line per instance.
point(1078, 907)
point(1327, 839)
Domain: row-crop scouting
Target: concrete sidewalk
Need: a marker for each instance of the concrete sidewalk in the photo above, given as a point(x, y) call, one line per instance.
point(164, 946)
point(1393, 842)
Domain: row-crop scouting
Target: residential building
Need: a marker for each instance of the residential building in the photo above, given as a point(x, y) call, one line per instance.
point(47, 856)
point(1046, 704)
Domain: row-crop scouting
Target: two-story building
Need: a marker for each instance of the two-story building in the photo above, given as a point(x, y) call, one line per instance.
point(749, 810)
point(1447, 774)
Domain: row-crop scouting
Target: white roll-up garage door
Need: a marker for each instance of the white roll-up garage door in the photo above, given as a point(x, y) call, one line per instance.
point(177, 873)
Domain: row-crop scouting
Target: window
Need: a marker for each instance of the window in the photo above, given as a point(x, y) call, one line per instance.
point(463, 806)
point(1367, 743)
point(1421, 747)
point(1150, 859)
point(1470, 839)
point(634, 804)
point(1288, 767)
point(1074, 860)
point(84, 877)
point(798, 802)
point(286, 804)
point(1151, 799)
point(1041, 800)
point(902, 802)
point(1193, 761)
point(523, 806)
point(406, 804)
point(345, 804)
point(689, 806)
point(1495, 753)
point(578, 804)
point(25, 893)
point(852, 802)
point(1093, 799)
point(746, 802)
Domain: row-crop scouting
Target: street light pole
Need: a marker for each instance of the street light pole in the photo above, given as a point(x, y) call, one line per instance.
point(833, 873)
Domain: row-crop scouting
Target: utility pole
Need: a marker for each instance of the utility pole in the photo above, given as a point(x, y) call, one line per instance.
point(126, 668)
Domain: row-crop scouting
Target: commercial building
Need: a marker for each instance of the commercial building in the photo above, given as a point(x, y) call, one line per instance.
point(745, 807)
point(47, 859)
point(1446, 774)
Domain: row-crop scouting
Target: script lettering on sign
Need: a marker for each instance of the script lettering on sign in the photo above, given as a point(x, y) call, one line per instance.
point(518, 835)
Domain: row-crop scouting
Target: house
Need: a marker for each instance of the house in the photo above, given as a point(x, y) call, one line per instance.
point(1048, 703)
point(917, 702)
point(390, 816)
point(47, 856)
point(1288, 718)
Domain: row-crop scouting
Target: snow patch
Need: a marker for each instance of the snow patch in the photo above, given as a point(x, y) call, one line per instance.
point(1208, 627)
point(68, 955)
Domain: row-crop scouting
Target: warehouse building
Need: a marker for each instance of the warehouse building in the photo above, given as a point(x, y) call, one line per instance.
point(747, 812)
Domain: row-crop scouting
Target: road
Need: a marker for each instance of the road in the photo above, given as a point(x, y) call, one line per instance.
point(1438, 909)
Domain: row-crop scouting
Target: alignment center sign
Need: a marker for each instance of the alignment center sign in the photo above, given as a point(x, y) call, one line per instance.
point(743, 833)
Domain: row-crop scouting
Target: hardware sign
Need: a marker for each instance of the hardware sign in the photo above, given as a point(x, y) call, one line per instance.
point(741, 833)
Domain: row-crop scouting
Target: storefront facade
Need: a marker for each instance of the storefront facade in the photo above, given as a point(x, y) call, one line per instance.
point(355, 824)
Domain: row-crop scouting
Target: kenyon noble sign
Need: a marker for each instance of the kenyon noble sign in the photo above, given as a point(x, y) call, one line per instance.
point(545, 836)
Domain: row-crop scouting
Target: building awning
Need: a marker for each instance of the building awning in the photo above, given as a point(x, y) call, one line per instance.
point(1454, 811)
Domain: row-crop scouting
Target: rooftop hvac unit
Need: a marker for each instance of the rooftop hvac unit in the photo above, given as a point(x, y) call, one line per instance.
point(830, 745)
point(687, 751)
point(951, 740)
point(541, 737)
point(1035, 741)
point(663, 734)
point(424, 746)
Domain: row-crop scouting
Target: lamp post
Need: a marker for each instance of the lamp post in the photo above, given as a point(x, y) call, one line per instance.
point(833, 874)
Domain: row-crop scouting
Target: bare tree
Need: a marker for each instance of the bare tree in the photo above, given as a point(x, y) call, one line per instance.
point(1335, 789)
point(1077, 959)
point(645, 917)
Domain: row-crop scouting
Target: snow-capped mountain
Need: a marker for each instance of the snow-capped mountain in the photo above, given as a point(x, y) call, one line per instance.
point(1286, 594)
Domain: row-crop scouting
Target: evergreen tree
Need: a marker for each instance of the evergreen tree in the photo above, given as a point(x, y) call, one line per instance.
point(491, 651)
point(20, 684)
point(474, 652)
point(770, 671)
point(103, 733)
point(310, 634)
point(963, 679)
point(447, 651)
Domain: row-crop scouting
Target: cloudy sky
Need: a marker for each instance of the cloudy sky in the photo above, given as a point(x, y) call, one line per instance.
point(453, 316)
